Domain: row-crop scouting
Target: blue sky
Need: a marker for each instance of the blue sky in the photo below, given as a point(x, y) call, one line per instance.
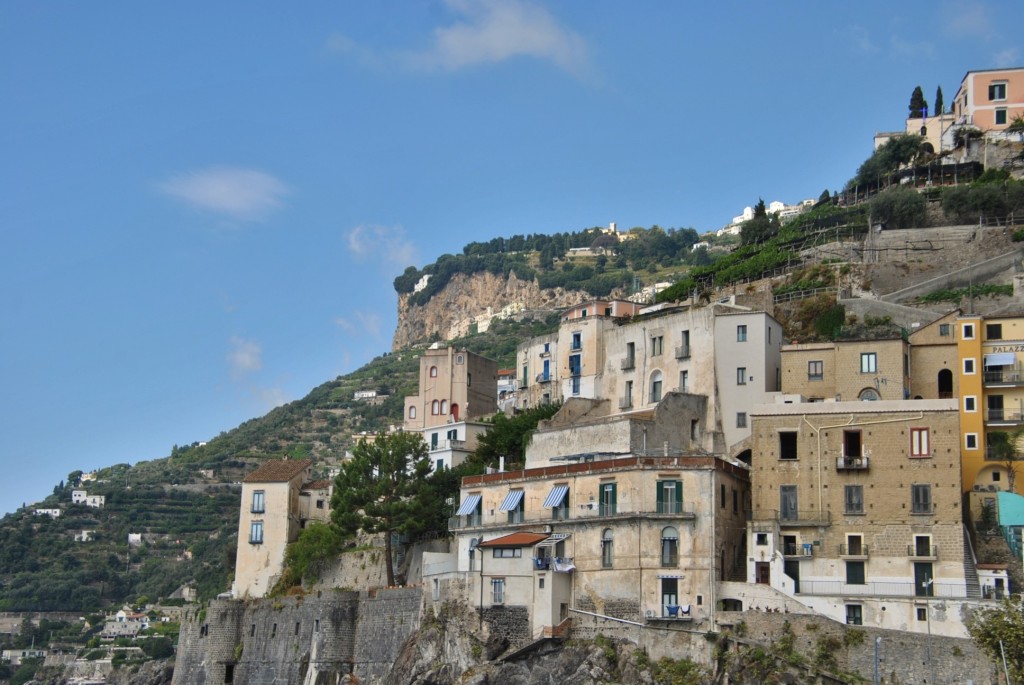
point(203, 205)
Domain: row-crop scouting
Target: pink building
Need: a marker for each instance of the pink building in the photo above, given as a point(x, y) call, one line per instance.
point(989, 99)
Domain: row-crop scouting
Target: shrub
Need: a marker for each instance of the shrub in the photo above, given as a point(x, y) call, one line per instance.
point(900, 208)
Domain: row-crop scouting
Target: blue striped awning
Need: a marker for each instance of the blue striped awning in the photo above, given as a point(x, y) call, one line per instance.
point(511, 501)
point(469, 505)
point(556, 496)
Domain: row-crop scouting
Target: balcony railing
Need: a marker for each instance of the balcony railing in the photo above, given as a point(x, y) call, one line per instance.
point(670, 507)
point(625, 403)
point(989, 592)
point(443, 445)
point(1004, 416)
point(792, 549)
point(589, 511)
point(1004, 377)
point(682, 352)
point(799, 518)
point(629, 363)
point(922, 508)
point(881, 588)
point(853, 551)
point(926, 552)
point(543, 377)
point(851, 463)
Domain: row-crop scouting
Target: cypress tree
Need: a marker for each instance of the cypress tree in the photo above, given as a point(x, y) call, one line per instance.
point(938, 101)
point(918, 105)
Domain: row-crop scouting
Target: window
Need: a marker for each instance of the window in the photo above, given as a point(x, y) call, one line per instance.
point(994, 331)
point(497, 590)
point(1000, 116)
point(439, 466)
point(741, 334)
point(526, 375)
point(656, 345)
point(444, 407)
point(922, 613)
point(669, 546)
point(970, 403)
point(854, 499)
point(433, 372)
point(741, 375)
point(694, 430)
point(919, 443)
point(256, 533)
point(968, 331)
point(997, 90)
point(630, 356)
point(584, 314)
point(319, 504)
point(815, 370)
point(258, 501)
point(684, 348)
point(609, 499)
point(435, 407)
point(508, 552)
point(761, 539)
point(968, 366)
point(669, 496)
point(606, 548)
point(944, 330)
point(627, 397)
point(855, 573)
point(868, 362)
point(921, 499)
point(656, 387)
point(787, 444)
point(575, 385)
point(540, 583)
point(852, 448)
point(854, 615)
point(575, 365)
point(577, 341)
point(412, 412)
point(788, 510)
point(741, 419)
point(971, 441)
point(684, 381)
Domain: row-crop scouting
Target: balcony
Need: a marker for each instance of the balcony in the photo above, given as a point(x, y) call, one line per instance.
point(588, 511)
point(445, 445)
point(543, 378)
point(989, 592)
point(792, 549)
point(922, 508)
point(1004, 377)
point(628, 364)
point(853, 552)
point(683, 352)
point(922, 552)
point(852, 463)
point(802, 518)
point(894, 588)
point(1004, 416)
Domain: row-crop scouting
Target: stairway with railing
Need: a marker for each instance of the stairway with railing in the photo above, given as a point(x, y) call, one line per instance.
point(970, 568)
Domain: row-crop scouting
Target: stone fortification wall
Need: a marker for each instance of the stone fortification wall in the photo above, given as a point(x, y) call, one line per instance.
point(509, 623)
point(308, 639)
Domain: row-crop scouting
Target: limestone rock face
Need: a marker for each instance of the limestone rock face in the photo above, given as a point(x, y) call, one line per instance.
point(473, 300)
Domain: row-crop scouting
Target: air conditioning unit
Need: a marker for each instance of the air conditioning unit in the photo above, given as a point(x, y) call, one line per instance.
point(449, 501)
point(474, 543)
point(991, 488)
point(979, 488)
point(548, 529)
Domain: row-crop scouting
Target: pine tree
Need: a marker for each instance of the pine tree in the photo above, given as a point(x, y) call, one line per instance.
point(918, 105)
point(938, 101)
point(382, 489)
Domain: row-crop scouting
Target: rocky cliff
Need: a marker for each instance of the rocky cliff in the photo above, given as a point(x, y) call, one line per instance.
point(469, 301)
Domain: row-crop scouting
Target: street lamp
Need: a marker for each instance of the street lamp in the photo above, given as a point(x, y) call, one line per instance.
point(927, 584)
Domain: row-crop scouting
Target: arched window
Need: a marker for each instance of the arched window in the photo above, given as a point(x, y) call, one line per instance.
point(444, 407)
point(435, 407)
point(669, 546)
point(412, 412)
point(945, 381)
point(606, 548)
point(869, 395)
point(455, 411)
point(433, 372)
point(655, 387)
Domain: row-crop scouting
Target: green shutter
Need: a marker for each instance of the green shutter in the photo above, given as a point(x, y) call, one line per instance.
point(679, 496)
point(661, 497)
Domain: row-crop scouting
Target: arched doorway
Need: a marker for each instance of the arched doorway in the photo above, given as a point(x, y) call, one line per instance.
point(945, 384)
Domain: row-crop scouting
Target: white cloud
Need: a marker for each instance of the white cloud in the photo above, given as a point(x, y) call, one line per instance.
point(968, 20)
point(270, 398)
point(901, 46)
point(490, 31)
point(382, 243)
point(1006, 58)
point(368, 322)
point(862, 40)
point(242, 194)
point(244, 357)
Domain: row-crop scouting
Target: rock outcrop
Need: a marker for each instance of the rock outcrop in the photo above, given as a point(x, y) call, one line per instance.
point(469, 300)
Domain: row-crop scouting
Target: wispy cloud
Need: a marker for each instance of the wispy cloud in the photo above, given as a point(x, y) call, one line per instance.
point(906, 48)
point(236, 193)
point(367, 322)
point(1006, 58)
point(244, 357)
point(489, 31)
point(967, 19)
point(862, 39)
point(385, 244)
point(270, 398)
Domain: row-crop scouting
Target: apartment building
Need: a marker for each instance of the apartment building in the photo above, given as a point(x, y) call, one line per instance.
point(857, 512)
point(270, 518)
point(618, 515)
point(990, 99)
point(991, 384)
point(725, 352)
point(455, 387)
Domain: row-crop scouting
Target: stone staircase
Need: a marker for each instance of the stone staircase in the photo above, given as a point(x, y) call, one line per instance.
point(970, 569)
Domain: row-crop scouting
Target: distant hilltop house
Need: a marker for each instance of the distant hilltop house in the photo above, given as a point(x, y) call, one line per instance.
point(784, 212)
point(15, 656)
point(278, 499)
point(369, 397)
point(52, 513)
point(85, 536)
point(83, 497)
point(987, 100)
point(125, 623)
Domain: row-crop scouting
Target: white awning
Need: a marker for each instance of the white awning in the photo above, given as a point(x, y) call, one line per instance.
point(469, 505)
point(1000, 359)
point(556, 496)
point(511, 501)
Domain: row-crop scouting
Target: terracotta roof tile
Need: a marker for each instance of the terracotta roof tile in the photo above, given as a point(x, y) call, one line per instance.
point(516, 540)
point(278, 470)
point(316, 485)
